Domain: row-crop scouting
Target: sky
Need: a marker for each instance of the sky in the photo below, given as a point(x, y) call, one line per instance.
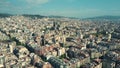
point(69, 8)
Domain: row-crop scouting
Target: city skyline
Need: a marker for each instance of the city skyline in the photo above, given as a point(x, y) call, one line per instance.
point(59, 34)
point(69, 8)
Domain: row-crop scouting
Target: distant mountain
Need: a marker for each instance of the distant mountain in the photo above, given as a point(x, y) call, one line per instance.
point(33, 16)
point(2, 15)
point(40, 16)
point(105, 18)
point(52, 16)
point(98, 18)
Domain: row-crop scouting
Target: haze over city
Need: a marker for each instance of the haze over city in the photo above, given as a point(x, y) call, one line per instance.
point(69, 8)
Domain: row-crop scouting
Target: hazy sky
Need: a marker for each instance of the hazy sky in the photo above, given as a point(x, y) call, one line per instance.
point(72, 8)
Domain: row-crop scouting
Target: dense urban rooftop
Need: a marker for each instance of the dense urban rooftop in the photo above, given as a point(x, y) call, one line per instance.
point(28, 41)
